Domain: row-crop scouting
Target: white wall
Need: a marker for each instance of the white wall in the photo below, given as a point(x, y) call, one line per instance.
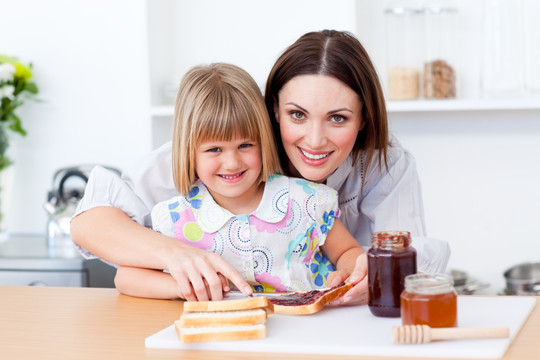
point(480, 184)
point(90, 63)
point(248, 33)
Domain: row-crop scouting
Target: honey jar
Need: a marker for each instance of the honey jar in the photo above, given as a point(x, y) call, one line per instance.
point(390, 259)
point(429, 300)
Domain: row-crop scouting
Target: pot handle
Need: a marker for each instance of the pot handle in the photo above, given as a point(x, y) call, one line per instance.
point(67, 175)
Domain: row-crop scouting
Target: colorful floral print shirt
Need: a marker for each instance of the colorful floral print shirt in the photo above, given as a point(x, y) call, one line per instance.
point(275, 248)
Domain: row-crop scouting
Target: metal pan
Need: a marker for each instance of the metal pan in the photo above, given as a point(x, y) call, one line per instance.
point(523, 279)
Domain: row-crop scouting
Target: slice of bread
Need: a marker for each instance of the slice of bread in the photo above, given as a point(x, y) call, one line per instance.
point(223, 318)
point(309, 302)
point(226, 305)
point(220, 333)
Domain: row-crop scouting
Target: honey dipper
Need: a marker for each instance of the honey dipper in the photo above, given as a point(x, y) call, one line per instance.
point(421, 334)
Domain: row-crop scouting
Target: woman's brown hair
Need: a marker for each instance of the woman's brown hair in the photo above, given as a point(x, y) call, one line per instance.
point(338, 54)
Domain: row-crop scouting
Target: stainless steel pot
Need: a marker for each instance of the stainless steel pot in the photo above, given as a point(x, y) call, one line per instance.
point(464, 284)
point(523, 279)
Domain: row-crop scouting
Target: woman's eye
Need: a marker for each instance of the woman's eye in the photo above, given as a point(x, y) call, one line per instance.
point(297, 115)
point(339, 119)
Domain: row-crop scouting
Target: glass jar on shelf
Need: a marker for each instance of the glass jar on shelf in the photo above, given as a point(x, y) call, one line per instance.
point(502, 65)
point(531, 9)
point(403, 25)
point(440, 75)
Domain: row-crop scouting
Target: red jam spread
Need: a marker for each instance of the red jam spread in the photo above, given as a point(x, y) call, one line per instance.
point(301, 298)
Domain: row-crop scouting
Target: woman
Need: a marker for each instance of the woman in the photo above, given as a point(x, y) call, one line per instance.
point(330, 122)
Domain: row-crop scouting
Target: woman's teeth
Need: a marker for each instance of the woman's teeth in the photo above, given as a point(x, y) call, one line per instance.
point(312, 156)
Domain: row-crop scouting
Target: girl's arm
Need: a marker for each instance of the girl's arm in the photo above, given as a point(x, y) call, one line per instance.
point(146, 283)
point(110, 234)
point(350, 261)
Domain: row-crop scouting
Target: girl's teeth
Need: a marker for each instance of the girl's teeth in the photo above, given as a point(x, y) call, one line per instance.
point(313, 157)
point(230, 177)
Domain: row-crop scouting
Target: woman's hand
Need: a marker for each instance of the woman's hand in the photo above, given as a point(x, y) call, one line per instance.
point(201, 275)
point(359, 294)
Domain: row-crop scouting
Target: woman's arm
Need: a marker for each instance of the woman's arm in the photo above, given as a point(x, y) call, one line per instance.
point(110, 234)
point(350, 261)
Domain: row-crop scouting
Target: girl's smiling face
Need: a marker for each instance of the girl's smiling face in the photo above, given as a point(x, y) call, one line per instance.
point(230, 170)
point(319, 119)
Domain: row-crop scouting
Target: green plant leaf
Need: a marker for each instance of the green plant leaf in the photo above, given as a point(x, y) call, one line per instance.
point(31, 88)
point(4, 162)
point(4, 141)
point(16, 125)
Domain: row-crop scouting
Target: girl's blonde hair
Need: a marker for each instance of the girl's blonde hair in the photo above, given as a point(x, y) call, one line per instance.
point(219, 102)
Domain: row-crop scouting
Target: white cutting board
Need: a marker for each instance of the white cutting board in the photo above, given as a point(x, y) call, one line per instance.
point(355, 331)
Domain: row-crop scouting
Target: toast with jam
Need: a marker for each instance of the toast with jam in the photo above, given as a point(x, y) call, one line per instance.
point(308, 302)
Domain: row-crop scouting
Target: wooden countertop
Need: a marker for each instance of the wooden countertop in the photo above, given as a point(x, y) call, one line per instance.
point(96, 323)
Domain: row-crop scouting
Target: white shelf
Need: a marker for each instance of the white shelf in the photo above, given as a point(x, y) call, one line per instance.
point(162, 111)
point(526, 103)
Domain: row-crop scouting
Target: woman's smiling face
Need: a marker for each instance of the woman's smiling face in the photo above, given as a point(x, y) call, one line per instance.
point(319, 119)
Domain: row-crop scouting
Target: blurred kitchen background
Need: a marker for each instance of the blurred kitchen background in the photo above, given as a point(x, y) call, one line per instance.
point(107, 71)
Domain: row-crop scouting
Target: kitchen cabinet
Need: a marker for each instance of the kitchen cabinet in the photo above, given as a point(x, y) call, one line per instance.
point(26, 260)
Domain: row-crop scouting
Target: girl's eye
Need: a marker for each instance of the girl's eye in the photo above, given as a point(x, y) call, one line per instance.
point(245, 146)
point(297, 115)
point(338, 119)
point(213, 150)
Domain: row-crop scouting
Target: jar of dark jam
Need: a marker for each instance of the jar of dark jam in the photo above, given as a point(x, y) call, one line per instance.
point(390, 259)
point(429, 300)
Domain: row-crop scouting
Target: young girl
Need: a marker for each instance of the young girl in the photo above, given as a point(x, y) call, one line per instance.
point(280, 233)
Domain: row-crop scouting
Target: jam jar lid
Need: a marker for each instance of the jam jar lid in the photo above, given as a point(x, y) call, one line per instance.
point(429, 284)
point(391, 240)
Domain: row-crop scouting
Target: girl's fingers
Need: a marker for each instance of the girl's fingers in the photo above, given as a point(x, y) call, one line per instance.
point(335, 278)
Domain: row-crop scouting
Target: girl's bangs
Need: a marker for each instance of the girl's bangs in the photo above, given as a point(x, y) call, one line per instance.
point(226, 119)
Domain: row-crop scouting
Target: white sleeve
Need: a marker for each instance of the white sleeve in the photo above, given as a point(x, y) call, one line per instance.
point(432, 254)
point(393, 198)
point(105, 188)
point(148, 182)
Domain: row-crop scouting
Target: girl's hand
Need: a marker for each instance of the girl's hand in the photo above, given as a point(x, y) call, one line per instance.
point(359, 294)
point(201, 275)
